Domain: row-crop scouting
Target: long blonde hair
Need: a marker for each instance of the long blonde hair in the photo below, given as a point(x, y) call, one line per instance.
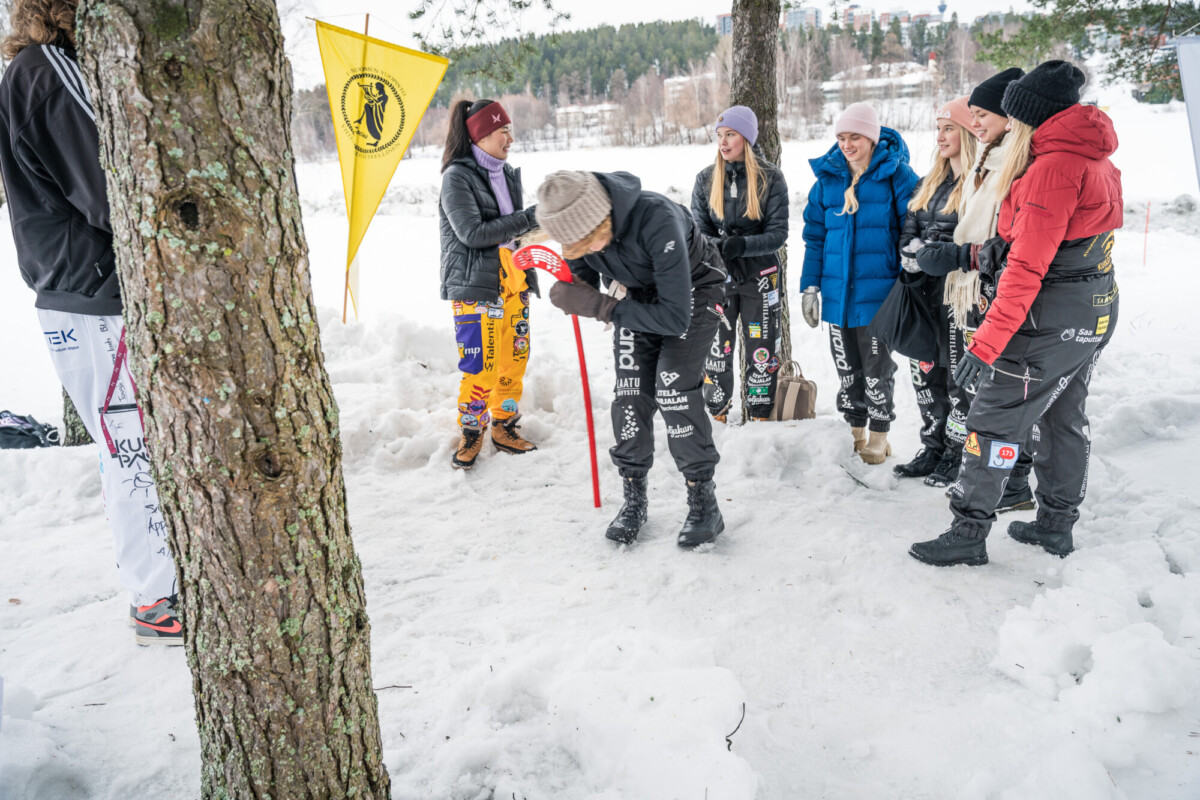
point(942, 168)
point(1017, 156)
point(40, 22)
point(756, 186)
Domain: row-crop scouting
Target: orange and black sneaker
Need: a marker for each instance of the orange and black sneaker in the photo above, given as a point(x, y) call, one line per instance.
point(157, 623)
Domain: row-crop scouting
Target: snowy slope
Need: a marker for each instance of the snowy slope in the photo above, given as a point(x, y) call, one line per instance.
point(545, 663)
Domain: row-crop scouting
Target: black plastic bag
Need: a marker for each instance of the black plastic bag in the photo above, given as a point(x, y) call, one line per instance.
point(21, 433)
point(907, 322)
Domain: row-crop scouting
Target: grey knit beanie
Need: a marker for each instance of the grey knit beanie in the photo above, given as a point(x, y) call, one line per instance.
point(571, 205)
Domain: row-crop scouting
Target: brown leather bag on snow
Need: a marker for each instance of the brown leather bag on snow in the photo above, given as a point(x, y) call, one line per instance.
point(795, 395)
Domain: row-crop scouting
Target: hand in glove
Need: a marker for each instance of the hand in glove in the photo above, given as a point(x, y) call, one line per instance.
point(582, 300)
point(908, 256)
point(531, 215)
point(942, 258)
point(733, 247)
point(967, 373)
point(810, 305)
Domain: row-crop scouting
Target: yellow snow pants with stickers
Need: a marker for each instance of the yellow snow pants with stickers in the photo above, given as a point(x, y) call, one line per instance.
point(493, 349)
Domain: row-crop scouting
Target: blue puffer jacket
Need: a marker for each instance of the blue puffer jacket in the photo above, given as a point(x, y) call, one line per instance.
point(854, 258)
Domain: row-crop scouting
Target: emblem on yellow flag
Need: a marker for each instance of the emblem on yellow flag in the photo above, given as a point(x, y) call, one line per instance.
point(378, 93)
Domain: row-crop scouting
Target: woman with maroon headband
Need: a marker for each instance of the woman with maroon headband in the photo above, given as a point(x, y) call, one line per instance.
point(481, 215)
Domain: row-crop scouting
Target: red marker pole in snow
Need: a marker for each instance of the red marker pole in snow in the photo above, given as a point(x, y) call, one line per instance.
point(536, 255)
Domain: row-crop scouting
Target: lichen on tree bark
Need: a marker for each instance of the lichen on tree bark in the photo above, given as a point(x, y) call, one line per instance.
point(192, 100)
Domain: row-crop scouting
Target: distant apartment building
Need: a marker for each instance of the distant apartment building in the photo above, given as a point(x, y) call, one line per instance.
point(724, 24)
point(887, 17)
point(806, 18)
point(858, 18)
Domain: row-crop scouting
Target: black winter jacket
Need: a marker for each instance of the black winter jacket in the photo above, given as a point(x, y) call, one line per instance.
point(57, 201)
point(931, 224)
point(764, 236)
point(473, 230)
point(657, 252)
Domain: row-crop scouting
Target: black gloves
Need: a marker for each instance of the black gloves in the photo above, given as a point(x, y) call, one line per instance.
point(993, 256)
point(733, 247)
point(966, 374)
point(942, 258)
point(582, 300)
point(531, 215)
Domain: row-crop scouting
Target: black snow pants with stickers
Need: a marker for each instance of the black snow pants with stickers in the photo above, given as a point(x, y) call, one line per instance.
point(1039, 381)
point(666, 373)
point(753, 305)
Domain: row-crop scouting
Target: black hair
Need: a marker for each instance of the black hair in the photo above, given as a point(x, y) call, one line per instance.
point(458, 139)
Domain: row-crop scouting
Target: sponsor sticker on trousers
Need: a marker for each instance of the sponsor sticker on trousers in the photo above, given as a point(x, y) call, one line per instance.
point(972, 445)
point(1102, 325)
point(1003, 455)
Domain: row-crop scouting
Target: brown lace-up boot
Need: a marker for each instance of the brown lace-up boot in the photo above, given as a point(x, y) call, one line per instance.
point(468, 449)
point(506, 437)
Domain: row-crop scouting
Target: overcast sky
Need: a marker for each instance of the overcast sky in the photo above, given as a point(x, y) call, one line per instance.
point(389, 18)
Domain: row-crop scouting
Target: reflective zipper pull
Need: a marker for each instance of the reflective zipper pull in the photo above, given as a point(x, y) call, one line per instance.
point(1027, 379)
point(733, 188)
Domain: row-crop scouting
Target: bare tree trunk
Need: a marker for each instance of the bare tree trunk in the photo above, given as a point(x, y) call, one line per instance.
point(193, 103)
point(755, 45)
point(74, 432)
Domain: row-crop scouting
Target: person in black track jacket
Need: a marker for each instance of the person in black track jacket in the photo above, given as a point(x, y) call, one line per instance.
point(932, 217)
point(648, 246)
point(58, 206)
point(741, 204)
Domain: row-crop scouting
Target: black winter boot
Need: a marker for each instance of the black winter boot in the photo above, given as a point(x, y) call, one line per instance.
point(633, 513)
point(1058, 543)
point(1017, 494)
point(924, 464)
point(951, 548)
point(704, 519)
point(946, 472)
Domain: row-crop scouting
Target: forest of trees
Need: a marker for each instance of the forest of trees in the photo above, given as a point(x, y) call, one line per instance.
point(663, 82)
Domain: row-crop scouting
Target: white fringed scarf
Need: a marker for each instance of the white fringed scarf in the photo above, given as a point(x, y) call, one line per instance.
point(976, 224)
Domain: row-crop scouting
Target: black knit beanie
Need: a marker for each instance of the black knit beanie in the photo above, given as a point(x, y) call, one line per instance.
point(1050, 88)
point(989, 94)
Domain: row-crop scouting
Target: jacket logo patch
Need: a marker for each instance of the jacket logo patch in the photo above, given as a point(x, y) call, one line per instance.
point(670, 246)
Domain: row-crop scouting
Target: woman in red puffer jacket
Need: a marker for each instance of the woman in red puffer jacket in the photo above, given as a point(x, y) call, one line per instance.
point(1054, 312)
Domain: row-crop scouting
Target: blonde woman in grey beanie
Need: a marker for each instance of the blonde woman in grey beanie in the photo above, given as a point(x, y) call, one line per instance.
point(614, 231)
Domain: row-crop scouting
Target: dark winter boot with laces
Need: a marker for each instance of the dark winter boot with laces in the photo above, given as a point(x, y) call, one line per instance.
point(1058, 543)
point(924, 464)
point(946, 471)
point(1017, 494)
point(704, 519)
point(632, 516)
point(959, 545)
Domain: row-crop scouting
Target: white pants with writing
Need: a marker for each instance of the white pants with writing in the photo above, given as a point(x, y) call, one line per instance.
point(84, 348)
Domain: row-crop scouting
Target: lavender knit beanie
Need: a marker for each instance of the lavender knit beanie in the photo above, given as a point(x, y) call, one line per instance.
point(742, 120)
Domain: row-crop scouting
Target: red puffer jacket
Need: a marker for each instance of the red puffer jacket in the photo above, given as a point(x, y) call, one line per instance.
point(1070, 191)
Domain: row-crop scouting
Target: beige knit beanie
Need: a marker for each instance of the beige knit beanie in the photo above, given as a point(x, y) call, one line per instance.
point(571, 205)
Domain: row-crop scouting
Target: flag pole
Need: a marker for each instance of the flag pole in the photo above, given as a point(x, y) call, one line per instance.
point(346, 291)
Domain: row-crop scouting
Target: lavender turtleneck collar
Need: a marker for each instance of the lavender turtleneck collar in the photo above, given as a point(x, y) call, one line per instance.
point(495, 170)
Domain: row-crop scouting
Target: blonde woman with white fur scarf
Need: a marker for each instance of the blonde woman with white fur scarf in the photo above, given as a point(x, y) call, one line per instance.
point(967, 297)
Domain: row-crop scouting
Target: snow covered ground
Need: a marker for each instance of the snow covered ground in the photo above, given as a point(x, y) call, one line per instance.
point(521, 655)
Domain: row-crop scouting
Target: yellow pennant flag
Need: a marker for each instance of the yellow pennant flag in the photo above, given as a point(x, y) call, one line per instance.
point(378, 93)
